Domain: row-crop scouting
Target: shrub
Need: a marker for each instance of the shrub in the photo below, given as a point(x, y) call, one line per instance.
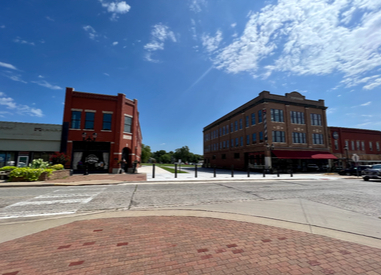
point(59, 158)
point(8, 168)
point(39, 163)
point(57, 167)
point(28, 173)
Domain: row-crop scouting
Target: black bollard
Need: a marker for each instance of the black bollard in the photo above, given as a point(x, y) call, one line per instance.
point(264, 172)
point(277, 171)
point(232, 171)
point(291, 175)
point(175, 170)
point(248, 171)
point(195, 170)
point(153, 170)
point(214, 171)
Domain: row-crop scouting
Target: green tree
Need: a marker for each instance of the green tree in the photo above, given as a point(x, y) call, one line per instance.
point(166, 158)
point(146, 153)
point(158, 154)
point(182, 153)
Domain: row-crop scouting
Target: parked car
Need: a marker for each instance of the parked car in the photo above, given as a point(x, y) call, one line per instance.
point(353, 170)
point(312, 167)
point(372, 173)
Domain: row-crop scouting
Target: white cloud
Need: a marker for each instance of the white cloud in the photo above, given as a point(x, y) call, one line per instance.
point(115, 43)
point(40, 76)
point(90, 30)
point(106, 74)
point(46, 84)
point(304, 37)
point(14, 77)
point(10, 104)
point(196, 5)
point(148, 57)
point(22, 41)
point(233, 25)
point(2, 26)
point(211, 43)
point(7, 65)
point(49, 18)
point(366, 104)
point(159, 34)
point(116, 8)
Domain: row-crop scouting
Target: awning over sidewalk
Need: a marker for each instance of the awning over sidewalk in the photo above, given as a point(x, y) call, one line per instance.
point(303, 155)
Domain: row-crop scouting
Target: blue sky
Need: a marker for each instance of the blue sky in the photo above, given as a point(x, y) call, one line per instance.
point(190, 62)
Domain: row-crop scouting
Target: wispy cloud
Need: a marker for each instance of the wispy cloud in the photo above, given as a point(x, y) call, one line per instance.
point(2, 27)
point(115, 8)
point(49, 18)
point(211, 43)
point(106, 74)
point(22, 41)
point(197, 5)
point(46, 84)
point(115, 43)
point(91, 32)
point(11, 105)
point(7, 65)
point(309, 38)
point(13, 76)
point(159, 34)
point(366, 104)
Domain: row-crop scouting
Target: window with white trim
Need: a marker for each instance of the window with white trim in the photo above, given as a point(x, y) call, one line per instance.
point(317, 139)
point(127, 124)
point(277, 115)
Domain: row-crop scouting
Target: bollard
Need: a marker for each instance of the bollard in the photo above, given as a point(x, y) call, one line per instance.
point(291, 173)
point(214, 171)
point(277, 171)
point(232, 171)
point(248, 172)
point(195, 170)
point(153, 170)
point(264, 174)
point(71, 172)
point(175, 170)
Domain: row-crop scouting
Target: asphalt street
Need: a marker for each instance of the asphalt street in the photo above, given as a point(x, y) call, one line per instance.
point(34, 202)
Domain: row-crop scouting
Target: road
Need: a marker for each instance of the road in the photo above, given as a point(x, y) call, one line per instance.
point(35, 202)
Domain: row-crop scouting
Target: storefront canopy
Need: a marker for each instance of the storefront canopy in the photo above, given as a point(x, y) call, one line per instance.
point(303, 155)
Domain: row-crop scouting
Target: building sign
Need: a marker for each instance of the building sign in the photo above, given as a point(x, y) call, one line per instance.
point(335, 135)
point(91, 159)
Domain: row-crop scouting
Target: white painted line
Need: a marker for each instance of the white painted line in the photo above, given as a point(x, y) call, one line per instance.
point(23, 203)
point(36, 215)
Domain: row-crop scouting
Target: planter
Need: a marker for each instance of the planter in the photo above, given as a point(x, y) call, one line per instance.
point(58, 174)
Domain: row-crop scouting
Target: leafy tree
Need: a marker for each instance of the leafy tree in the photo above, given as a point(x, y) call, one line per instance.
point(166, 158)
point(146, 153)
point(182, 153)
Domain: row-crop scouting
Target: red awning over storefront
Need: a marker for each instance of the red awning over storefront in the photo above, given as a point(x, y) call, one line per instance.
point(303, 155)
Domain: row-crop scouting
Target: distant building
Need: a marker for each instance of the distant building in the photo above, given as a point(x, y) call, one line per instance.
point(346, 142)
point(270, 131)
point(101, 131)
point(20, 143)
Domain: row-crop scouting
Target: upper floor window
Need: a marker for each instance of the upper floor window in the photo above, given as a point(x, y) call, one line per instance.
point(279, 136)
point(227, 144)
point(241, 141)
point(259, 116)
point(106, 121)
point(317, 139)
point(254, 138)
point(298, 118)
point(260, 136)
point(370, 146)
point(220, 131)
point(89, 120)
point(358, 145)
point(298, 137)
point(277, 115)
point(75, 119)
point(363, 145)
point(236, 142)
point(127, 124)
point(353, 145)
point(253, 119)
point(247, 121)
point(227, 129)
point(347, 144)
point(236, 125)
point(240, 123)
point(232, 142)
point(231, 127)
point(247, 139)
point(223, 130)
point(315, 119)
point(378, 146)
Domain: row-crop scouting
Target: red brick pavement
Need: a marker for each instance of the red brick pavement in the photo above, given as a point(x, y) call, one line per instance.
point(182, 245)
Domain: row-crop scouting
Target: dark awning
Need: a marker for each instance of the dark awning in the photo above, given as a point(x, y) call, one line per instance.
point(303, 155)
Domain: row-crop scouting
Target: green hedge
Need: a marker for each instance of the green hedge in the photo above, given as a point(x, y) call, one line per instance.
point(28, 174)
point(8, 168)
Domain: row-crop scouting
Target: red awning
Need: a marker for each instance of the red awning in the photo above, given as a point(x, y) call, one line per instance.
point(303, 155)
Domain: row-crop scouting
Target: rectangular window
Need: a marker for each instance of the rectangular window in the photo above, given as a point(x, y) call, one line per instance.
point(336, 144)
point(358, 145)
point(227, 129)
point(247, 139)
point(247, 121)
point(236, 142)
point(370, 146)
point(236, 125)
point(353, 145)
point(260, 136)
point(75, 120)
point(363, 145)
point(316, 119)
point(254, 138)
point(259, 116)
point(277, 115)
point(241, 141)
point(317, 139)
point(232, 143)
point(297, 117)
point(89, 120)
point(231, 127)
point(347, 144)
point(253, 119)
point(298, 137)
point(278, 136)
point(227, 144)
point(107, 122)
point(240, 123)
point(378, 146)
point(220, 131)
point(127, 124)
point(221, 145)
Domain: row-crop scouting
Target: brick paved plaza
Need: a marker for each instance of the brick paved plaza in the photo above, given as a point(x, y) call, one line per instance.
point(182, 245)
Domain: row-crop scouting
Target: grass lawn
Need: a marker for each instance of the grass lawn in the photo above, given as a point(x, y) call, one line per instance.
point(165, 167)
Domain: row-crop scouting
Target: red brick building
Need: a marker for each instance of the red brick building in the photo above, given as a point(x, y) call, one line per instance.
point(345, 142)
point(100, 131)
point(270, 131)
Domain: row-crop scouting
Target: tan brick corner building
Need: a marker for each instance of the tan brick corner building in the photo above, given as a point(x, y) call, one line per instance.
point(270, 131)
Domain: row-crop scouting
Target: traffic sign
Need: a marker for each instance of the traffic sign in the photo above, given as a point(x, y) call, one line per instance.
point(355, 158)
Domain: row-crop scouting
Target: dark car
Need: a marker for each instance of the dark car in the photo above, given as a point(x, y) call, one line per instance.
point(353, 170)
point(372, 173)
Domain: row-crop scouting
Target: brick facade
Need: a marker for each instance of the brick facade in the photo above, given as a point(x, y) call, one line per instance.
point(345, 142)
point(264, 127)
point(103, 117)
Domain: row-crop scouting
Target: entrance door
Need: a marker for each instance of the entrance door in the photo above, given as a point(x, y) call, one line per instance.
point(22, 161)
